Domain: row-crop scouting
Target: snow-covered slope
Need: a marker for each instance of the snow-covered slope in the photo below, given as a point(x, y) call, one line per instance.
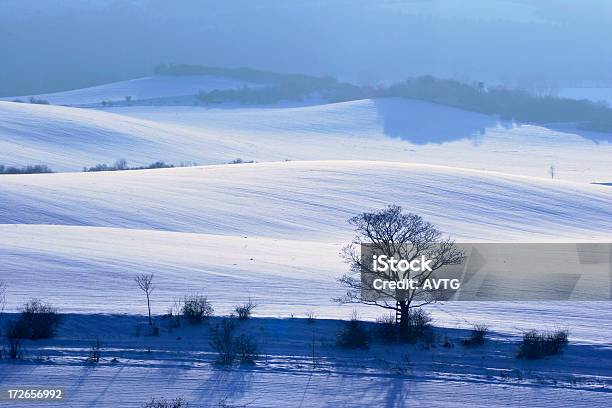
point(68, 139)
point(400, 130)
point(273, 230)
point(310, 200)
point(139, 89)
point(91, 270)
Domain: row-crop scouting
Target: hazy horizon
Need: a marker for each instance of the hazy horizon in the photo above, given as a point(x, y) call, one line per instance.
point(51, 46)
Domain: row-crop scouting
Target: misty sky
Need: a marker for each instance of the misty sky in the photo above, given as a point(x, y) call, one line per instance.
point(57, 45)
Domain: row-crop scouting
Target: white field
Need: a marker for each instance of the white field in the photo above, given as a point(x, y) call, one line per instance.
point(273, 231)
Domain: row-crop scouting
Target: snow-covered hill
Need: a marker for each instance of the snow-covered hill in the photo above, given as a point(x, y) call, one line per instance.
point(68, 139)
point(310, 200)
point(139, 89)
point(272, 230)
point(92, 269)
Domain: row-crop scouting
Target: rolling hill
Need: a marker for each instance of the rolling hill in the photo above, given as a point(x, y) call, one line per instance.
point(68, 139)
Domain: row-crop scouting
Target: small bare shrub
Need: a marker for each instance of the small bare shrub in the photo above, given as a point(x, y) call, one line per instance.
point(230, 347)
point(311, 318)
point(353, 335)
point(196, 308)
point(174, 314)
point(96, 352)
point(477, 336)
point(165, 403)
point(536, 344)
point(246, 349)
point(222, 341)
point(14, 338)
point(244, 311)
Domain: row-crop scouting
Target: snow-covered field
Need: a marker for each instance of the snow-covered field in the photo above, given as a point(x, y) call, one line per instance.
point(310, 200)
point(68, 139)
point(272, 231)
point(302, 368)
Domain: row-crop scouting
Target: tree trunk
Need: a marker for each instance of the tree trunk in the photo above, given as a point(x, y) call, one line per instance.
point(149, 307)
point(403, 309)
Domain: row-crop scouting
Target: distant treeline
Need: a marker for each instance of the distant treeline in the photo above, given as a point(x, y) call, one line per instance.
point(122, 164)
point(272, 87)
point(37, 101)
point(38, 168)
point(511, 104)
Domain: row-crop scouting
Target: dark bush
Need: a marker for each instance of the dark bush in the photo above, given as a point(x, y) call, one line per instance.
point(230, 347)
point(536, 344)
point(38, 320)
point(416, 325)
point(222, 341)
point(14, 339)
point(386, 329)
point(477, 336)
point(164, 403)
point(246, 349)
point(196, 308)
point(353, 335)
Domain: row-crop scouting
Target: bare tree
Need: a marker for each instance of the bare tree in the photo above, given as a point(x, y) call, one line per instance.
point(393, 233)
point(145, 283)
